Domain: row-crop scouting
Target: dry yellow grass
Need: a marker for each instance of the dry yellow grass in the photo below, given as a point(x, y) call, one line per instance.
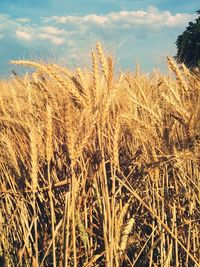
point(98, 169)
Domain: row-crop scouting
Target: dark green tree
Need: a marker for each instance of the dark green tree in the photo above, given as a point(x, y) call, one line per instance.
point(188, 45)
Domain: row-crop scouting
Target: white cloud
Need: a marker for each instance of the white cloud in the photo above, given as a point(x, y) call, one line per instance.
point(62, 29)
point(23, 20)
point(54, 39)
point(23, 35)
point(151, 18)
point(91, 18)
point(4, 16)
point(139, 33)
point(59, 19)
point(35, 33)
point(52, 30)
point(7, 25)
point(100, 20)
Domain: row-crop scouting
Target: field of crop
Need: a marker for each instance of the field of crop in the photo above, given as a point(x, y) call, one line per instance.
point(100, 168)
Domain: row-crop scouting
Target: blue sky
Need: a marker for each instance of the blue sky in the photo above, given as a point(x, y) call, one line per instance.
point(65, 31)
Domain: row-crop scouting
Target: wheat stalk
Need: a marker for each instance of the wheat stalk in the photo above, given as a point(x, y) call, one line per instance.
point(125, 235)
point(178, 74)
point(49, 135)
point(102, 59)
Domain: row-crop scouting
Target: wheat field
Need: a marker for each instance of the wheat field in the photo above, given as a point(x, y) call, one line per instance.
point(99, 167)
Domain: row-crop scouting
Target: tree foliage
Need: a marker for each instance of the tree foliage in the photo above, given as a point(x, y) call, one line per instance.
point(188, 45)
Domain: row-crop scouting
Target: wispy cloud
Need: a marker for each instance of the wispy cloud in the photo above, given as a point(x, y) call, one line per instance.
point(139, 34)
point(91, 19)
point(23, 35)
point(53, 30)
point(57, 29)
point(151, 17)
point(23, 20)
point(49, 37)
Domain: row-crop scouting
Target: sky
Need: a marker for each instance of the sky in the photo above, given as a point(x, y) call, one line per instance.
point(65, 31)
